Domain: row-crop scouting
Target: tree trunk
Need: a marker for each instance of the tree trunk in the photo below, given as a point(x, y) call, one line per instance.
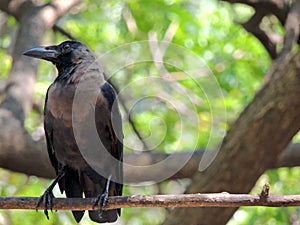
point(15, 143)
point(253, 143)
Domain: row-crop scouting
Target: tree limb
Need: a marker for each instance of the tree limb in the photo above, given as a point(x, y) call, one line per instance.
point(290, 157)
point(292, 26)
point(279, 8)
point(165, 201)
point(57, 28)
point(129, 117)
point(252, 26)
point(32, 159)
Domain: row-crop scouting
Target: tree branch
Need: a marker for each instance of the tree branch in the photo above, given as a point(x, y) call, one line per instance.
point(130, 119)
point(279, 8)
point(291, 29)
point(290, 157)
point(58, 29)
point(32, 159)
point(165, 201)
point(252, 26)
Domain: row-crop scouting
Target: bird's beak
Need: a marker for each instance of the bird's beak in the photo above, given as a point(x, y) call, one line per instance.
point(46, 53)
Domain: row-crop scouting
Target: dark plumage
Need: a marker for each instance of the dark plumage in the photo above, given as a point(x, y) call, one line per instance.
point(78, 101)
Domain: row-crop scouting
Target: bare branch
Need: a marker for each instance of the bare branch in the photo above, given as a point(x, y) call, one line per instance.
point(292, 26)
point(165, 201)
point(279, 8)
point(57, 28)
point(130, 120)
point(290, 157)
point(31, 158)
point(62, 7)
point(252, 26)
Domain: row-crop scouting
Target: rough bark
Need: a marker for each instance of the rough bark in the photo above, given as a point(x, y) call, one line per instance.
point(252, 144)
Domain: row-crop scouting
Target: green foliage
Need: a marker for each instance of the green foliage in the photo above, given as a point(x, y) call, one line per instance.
point(205, 29)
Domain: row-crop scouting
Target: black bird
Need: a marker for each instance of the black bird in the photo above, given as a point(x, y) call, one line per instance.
point(83, 130)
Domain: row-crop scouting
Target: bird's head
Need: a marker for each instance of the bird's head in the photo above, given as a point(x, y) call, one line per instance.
point(65, 54)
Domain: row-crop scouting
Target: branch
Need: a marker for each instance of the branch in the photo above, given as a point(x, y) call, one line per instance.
point(130, 119)
point(58, 29)
point(32, 159)
point(290, 157)
point(291, 29)
point(263, 8)
point(252, 26)
point(165, 201)
point(279, 8)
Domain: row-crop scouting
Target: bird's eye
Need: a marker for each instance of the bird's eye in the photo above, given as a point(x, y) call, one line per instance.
point(66, 47)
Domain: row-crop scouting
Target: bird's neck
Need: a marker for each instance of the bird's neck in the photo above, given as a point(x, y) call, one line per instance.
point(73, 74)
point(65, 73)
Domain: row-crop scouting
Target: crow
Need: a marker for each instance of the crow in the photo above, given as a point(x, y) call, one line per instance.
point(83, 130)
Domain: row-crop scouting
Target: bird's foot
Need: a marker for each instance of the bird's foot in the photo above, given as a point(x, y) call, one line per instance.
point(101, 202)
point(46, 199)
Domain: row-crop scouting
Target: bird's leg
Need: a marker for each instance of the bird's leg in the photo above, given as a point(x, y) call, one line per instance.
point(102, 198)
point(48, 196)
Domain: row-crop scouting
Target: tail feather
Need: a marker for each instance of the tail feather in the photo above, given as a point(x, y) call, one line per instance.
point(78, 215)
point(73, 190)
point(108, 216)
point(93, 189)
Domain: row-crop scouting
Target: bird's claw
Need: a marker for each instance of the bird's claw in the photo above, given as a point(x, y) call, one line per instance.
point(101, 202)
point(46, 199)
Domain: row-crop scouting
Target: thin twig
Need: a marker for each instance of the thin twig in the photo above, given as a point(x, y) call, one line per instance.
point(265, 192)
point(165, 201)
point(57, 28)
point(130, 120)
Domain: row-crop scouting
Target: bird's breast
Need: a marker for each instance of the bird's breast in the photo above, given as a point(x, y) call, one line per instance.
point(73, 102)
point(60, 101)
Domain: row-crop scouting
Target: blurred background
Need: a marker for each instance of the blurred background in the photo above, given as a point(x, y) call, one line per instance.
point(160, 115)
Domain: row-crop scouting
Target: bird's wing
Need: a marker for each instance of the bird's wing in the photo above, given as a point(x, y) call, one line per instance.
point(48, 126)
point(112, 135)
point(109, 128)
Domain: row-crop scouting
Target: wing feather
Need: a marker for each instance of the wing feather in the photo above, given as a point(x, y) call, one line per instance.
point(48, 126)
point(112, 136)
